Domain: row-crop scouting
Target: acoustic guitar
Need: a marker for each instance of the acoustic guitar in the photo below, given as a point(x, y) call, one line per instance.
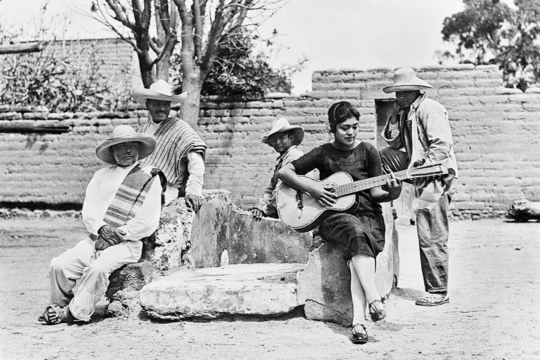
point(301, 212)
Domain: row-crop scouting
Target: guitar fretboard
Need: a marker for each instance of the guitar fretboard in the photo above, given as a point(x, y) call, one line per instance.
point(350, 188)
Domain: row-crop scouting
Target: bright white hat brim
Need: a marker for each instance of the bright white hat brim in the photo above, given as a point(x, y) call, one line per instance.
point(142, 94)
point(394, 88)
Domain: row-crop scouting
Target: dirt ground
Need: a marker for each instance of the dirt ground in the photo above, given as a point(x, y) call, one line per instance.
point(494, 311)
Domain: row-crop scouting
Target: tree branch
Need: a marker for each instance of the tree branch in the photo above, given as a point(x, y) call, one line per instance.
point(197, 36)
point(213, 37)
point(120, 14)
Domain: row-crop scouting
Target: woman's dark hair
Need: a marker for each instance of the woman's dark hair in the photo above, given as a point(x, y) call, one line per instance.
point(339, 112)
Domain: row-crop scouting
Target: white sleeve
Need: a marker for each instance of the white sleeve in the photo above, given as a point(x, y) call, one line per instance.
point(196, 174)
point(91, 207)
point(147, 219)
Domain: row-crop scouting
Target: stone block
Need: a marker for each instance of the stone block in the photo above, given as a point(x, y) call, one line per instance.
point(533, 90)
point(324, 285)
point(197, 240)
point(496, 82)
point(266, 241)
point(236, 290)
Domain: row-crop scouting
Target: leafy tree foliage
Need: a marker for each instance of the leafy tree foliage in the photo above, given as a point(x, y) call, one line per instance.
point(491, 32)
point(239, 71)
point(199, 26)
point(64, 76)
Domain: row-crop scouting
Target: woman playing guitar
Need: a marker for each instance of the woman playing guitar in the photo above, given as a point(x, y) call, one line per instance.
point(360, 229)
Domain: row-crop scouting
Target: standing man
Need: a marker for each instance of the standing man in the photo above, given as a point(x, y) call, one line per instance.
point(179, 151)
point(418, 133)
point(121, 207)
point(284, 138)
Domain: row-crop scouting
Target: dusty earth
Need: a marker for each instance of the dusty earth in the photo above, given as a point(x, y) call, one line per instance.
point(494, 311)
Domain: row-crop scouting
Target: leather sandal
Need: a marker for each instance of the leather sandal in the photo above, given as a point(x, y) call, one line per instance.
point(433, 300)
point(359, 334)
point(376, 315)
point(61, 315)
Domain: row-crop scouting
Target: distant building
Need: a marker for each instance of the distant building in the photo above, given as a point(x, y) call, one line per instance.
point(115, 53)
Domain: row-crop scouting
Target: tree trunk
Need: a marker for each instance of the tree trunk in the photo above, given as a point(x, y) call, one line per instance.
point(162, 67)
point(145, 67)
point(189, 111)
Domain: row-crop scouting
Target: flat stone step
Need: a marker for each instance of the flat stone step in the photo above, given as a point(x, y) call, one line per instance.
point(209, 293)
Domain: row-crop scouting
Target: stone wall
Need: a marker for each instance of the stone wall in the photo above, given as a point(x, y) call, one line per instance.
point(495, 130)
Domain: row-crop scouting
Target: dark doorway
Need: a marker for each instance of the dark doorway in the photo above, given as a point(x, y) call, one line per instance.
point(383, 109)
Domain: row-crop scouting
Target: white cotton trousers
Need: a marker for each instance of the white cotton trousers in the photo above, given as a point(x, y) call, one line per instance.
point(89, 269)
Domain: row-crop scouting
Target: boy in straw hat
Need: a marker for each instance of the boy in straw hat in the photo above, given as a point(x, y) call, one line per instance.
point(122, 206)
point(179, 151)
point(418, 133)
point(284, 138)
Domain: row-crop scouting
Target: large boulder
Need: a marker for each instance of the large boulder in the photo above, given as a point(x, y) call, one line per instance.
point(199, 240)
point(234, 290)
point(188, 240)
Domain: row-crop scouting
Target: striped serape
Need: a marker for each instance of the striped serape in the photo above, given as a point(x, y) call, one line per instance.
point(130, 195)
point(175, 138)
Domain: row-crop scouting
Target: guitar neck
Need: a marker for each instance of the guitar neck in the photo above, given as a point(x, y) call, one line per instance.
point(356, 186)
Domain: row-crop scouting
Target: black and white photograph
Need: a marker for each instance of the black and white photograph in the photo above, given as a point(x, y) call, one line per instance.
point(270, 179)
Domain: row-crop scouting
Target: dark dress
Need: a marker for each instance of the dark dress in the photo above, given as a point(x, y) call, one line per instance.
point(361, 228)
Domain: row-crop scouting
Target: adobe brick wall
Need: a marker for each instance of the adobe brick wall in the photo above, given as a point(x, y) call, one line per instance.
point(495, 131)
point(115, 55)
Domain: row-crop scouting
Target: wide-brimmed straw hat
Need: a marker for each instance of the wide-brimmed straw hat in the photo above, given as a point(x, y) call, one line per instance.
point(122, 134)
point(406, 80)
point(282, 125)
point(160, 90)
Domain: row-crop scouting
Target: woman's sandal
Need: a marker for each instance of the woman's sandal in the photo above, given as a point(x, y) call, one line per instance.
point(359, 334)
point(377, 314)
point(62, 315)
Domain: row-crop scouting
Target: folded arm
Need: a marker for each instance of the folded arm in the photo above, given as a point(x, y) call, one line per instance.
point(288, 175)
point(146, 221)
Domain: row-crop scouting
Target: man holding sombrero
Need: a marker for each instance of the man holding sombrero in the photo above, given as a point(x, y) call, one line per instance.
point(418, 133)
point(179, 151)
point(122, 206)
point(284, 138)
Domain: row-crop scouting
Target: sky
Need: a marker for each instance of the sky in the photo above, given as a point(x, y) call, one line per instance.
point(331, 34)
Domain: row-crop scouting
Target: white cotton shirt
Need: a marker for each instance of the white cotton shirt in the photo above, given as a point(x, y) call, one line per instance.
point(100, 193)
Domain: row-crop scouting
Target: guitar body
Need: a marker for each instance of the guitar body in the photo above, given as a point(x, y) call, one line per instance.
point(301, 212)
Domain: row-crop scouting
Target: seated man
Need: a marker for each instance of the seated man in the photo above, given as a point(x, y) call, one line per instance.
point(122, 206)
point(284, 138)
point(179, 151)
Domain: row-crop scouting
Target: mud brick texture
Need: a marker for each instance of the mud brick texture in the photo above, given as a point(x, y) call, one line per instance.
point(495, 130)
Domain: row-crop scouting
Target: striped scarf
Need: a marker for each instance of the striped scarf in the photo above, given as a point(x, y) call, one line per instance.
point(175, 138)
point(130, 196)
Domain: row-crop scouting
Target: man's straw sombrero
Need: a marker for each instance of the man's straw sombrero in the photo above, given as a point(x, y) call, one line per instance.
point(160, 90)
point(282, 125)
point(122, 134)
point(406, 80)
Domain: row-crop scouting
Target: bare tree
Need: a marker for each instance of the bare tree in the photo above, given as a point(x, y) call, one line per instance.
point(153, 52)
point(202, 24)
